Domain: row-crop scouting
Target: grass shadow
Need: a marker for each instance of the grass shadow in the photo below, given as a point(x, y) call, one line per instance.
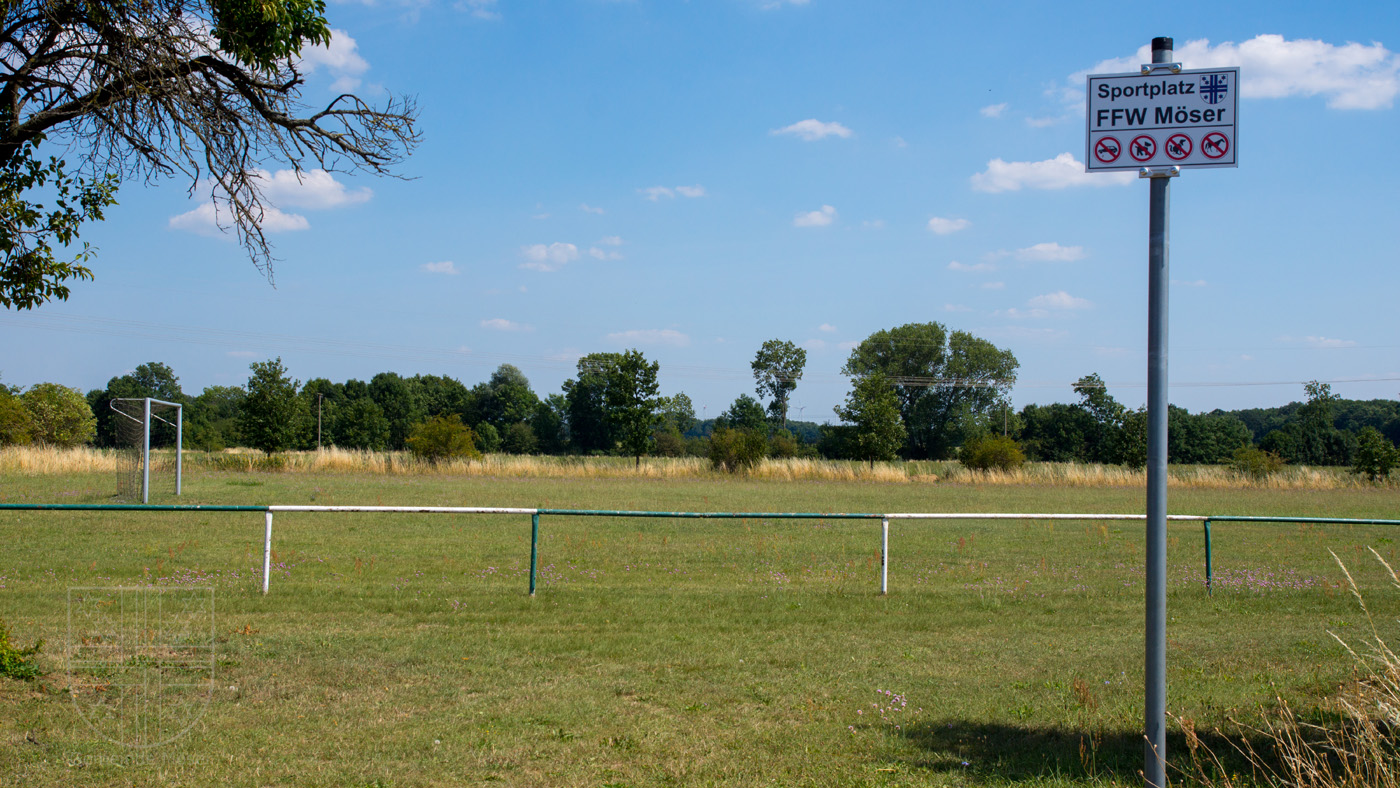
point(998, 752)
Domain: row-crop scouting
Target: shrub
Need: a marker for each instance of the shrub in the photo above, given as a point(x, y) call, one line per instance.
point(1255, 462)
point(488, 439)
point(992, 451)
point(59, 416)
point(14, 420)
point(443, 438)
point(1375, 456)
point(17, 663)
point(519, 439)
point(735, 450)
point(782, 445)
point(667, 442)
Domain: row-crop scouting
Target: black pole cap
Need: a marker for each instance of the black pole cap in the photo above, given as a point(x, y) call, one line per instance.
point(1162, 43)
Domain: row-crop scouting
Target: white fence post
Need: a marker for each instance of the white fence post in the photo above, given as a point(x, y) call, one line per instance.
point(885, 556)
point(267, 550)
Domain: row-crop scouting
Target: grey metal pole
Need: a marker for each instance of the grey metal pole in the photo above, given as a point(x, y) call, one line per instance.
point(885, 556)
point(1155, 680)
point(179, 445)
point(146, 457)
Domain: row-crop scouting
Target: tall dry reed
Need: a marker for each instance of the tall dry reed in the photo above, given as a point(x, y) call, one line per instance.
point(33, 460)
point(1356, 748)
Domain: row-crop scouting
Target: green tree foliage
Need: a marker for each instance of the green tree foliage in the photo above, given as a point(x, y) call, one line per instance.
point(632, 400)
point(1375, 456)
point(777, 368)
point(519, 438)
point(676, 413)
point(1103, 439)
point(361, 424)
point(15, 426)
point(590, 430)
point(872, 408)
point(488, 439)
point(207, 88)
point(736, 449)
point(401, 401)
point(152, 379)
point(272, 417)
point(990, 452)
point(16, 662)
point(30, 274)
point(1057, 432)
point(549, 425)
point(504, 400)
point(443, 438)
point(746, 414)
point(58, 415)
point(1311, 436)
point(211, 423)
point(940, 380)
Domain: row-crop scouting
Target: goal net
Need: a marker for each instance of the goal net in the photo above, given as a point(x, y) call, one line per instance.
point(149, 437)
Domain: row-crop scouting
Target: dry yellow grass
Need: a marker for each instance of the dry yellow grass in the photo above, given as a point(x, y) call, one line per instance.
point(39, 460)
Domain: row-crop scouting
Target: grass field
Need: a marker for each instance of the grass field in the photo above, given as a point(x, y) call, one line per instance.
point(402, 650)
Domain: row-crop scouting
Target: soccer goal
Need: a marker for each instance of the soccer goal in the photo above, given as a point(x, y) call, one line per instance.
point(142, 424)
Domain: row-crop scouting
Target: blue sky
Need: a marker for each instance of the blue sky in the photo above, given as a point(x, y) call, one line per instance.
point(692, 179)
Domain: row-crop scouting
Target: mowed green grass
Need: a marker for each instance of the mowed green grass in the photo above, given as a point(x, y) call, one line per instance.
point(403, 650)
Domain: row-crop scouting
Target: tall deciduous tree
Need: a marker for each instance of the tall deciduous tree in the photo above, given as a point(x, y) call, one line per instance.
point(209, 89)
point(940, 381)
point(152, 379)
point(777, 367)
point(872, 408)
point(272, 416)
point(586, 401)
point(632, 400)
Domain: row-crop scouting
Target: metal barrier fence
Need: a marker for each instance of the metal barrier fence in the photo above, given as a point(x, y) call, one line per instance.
point(535, 514)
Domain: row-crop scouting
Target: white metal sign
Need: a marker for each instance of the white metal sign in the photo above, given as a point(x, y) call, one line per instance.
point(1163, 119)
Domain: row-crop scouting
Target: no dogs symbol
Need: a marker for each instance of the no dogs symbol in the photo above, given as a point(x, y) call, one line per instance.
point(1142, 148)
point(1108, 149)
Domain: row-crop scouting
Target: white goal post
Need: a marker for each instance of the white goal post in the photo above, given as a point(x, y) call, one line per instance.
point(134, 439)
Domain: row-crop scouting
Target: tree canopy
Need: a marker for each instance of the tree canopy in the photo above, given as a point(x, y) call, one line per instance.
point(207, 89)
point(777, 367)
point(940, 379)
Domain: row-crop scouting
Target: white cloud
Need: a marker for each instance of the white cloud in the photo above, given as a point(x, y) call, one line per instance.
point(819, 218)
point(827, 328)
point(847, 345)
point(650, 336)
point(1040, 123)
point(1022, 314)
point(539, 257)
point(993, 285)
point(611, 240)
point(312, 189)
point(481, 9)
point(1060, 172)
point(957, 266)
point(586, 208)
point(873, 224)
point(341, 57)
point(993, 110)
point(1326, 342)
point(501, 324)
point(899, 142)
point(1350, 75)
point(210, 219)
point(812, 130)
point(656, 193)
point(1050, 252)
point(941, 226)
point(816, 345)
point(1058, 300)
point(603, 254)
point(444, 267)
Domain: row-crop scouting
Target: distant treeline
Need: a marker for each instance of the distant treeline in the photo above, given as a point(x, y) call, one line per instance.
point(918, 392)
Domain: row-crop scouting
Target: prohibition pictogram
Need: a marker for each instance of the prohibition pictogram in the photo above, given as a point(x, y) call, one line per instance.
point(1178, 146)
point(1215, 145)
point(1108, 149)
point(1142, 148)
